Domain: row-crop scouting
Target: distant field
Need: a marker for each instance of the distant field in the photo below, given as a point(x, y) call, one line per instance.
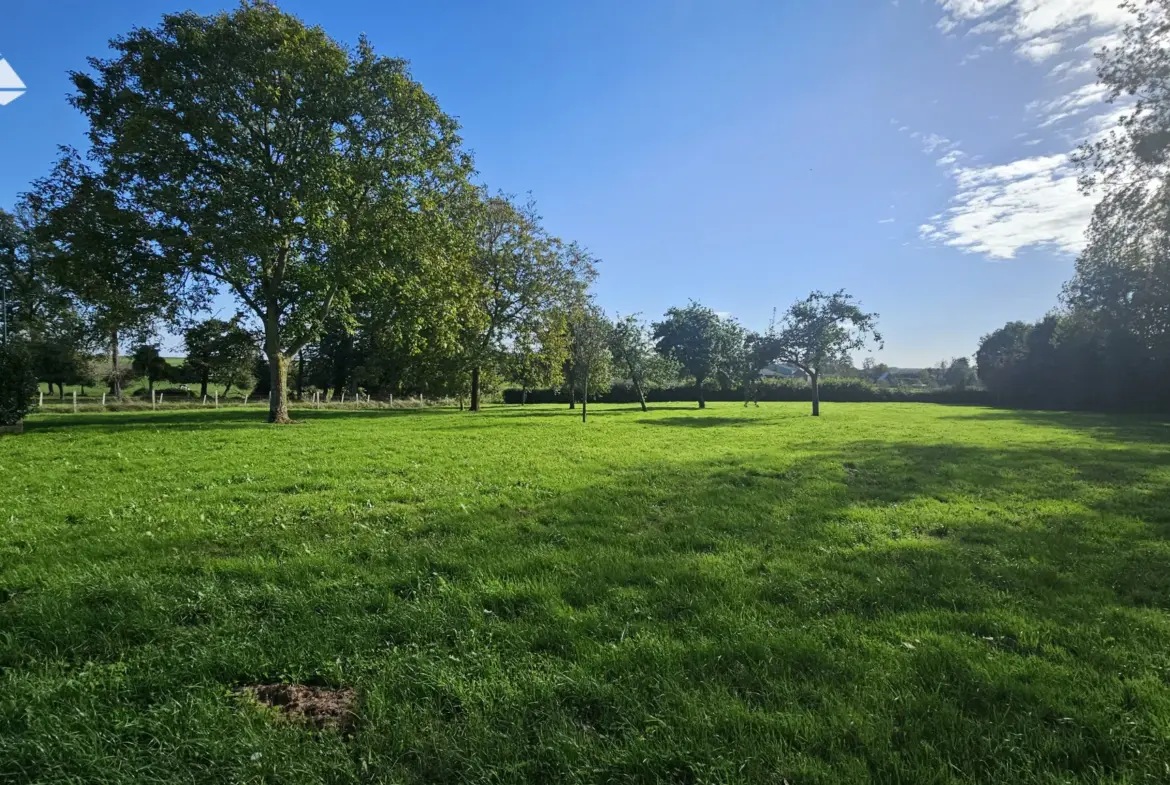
point(891, 593)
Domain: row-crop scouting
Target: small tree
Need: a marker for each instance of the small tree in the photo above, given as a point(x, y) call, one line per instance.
point(589, 351)
point(698, 340)
point(632, 348)
point(752, 355)
point(959, 374)
point(18, 384)
point(821, 330)
point(147, 361)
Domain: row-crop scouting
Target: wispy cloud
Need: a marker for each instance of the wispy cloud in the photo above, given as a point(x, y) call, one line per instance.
point(886, 221)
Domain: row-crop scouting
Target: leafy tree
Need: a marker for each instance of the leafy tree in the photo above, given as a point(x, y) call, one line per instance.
point(290, 170)
point(539, 352)
point(872, 370)
point(821, 330)
point(752, 354)
point(101, 254)
point(1000, 357)
point(147, 361)
point(223, 352)
point(632, 347)
point(589, 340)
point(18, 383)
point(959, 374)
point(698, 340)
point(523, 272)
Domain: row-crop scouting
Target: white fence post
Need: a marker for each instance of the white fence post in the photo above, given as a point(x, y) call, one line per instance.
point(75, 401)
point(343, 396)
point(217, 399)
point(103, 400)
point(246, 398)
point(152, 401)
point(204, 400)
point(42, 401)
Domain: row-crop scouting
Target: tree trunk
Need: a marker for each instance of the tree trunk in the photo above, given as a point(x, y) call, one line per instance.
point(747, 393)
point(278, 371)
point(226, 389)
point(523, 395)
point(300, 375)
point(60, 389)
point(641, 395)
point(150, 384)
point(475, 389)
point(115, 380)
point(702, 400)
point(203, 383)
point(816, 396)
point(572, 396)
point(585, 398)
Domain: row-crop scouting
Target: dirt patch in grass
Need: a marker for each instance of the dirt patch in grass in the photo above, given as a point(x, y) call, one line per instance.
point(317, 706)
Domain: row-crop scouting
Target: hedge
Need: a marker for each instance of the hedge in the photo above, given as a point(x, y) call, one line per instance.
point(832, 390)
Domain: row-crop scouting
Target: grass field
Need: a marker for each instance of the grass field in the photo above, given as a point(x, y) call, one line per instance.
point(891, 593)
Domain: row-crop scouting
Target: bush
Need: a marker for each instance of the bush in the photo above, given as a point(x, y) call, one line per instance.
point(18, 384)
point(832, 390)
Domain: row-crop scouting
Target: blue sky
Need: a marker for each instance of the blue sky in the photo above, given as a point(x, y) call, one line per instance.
point(739, 153)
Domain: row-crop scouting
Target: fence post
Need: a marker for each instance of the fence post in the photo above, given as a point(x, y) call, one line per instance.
point(103, 400)
point(204, 400)
point(217, 399)
point(391, 400)
point(41, 402)
point(160, 399)
point(75, 401)
point(246, 398)
point(152, 403)
point(343, 396)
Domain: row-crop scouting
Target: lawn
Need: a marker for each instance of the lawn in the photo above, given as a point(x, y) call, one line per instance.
point(890, 593)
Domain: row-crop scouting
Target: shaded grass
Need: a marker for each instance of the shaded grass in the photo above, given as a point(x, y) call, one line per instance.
point(892, 593)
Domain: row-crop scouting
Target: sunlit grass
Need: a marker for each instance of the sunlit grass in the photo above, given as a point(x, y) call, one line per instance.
point(891, 593)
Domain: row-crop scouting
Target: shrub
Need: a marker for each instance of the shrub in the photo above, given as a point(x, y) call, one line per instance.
point(832, 390)
point(18, 384)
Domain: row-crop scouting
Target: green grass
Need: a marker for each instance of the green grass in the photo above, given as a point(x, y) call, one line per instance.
point(891, 593)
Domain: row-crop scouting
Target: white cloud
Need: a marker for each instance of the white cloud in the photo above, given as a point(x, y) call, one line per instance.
point(1040, 48)
point(1071, 104)
point(999, 210)
point(886, 221)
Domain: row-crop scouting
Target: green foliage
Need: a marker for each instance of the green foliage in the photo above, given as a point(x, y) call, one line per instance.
point(695, 337)
point(820, 331)
point(335, 168)
point(220, 352)
point(739, 596)
point(18, 383)
point(145, 360)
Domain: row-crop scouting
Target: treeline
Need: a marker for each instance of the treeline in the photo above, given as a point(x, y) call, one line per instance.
point(327, 193)
point(1107, 344)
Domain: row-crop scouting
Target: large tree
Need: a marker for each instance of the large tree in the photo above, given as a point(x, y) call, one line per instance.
point(699, 340)
point(522, 272)
point(820, 331)
point(274, 162)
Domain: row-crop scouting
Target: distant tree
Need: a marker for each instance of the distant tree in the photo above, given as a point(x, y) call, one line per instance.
point(522, 272)
point(1001, 356)
point(751, 355)
point(539, 352)
point(223, 352)
point(632, 347)
point(959, 374)
point(822, 329)
point(147, 361)
point(275, 163)
point(697, 339)
point(59, 354)
point(102, 255)
point(589, 340)
point(872, 370)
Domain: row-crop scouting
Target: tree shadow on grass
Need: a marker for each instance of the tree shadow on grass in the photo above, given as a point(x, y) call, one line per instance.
point(1125, 428)
point(200, 419)
point(879, 611)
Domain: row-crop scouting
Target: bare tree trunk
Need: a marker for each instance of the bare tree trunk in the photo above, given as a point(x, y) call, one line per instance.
point(475, 389)
point(300, 375)
point(702, 400)
point(523, 395)
point(585, 397)
point(278, 370)
point(572, 396)
point(203, 383)
point(116, 380)
point(816, 396)
point(641, 395)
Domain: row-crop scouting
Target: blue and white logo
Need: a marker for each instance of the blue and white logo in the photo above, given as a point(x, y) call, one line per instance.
point(11, 87)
